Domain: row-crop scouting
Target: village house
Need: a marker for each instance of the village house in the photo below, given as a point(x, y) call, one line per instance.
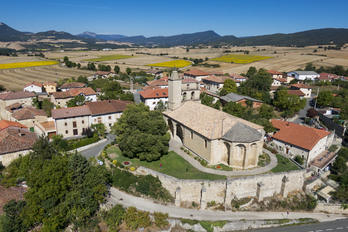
point(196, 74)
point(278, 82)
point(215, 136)
point(215, 83)
point(28, 116)
point(238, 78)
point(243, 100)
point(296, 92)
point(275, 74)
point(306, 89)
point(152, 97)
point(72, 85)
point(61, 98)
point(155, 73)
point(159, 83)
point(15, 142)
point(6, 124)
point(20, 98)
point(45, 129)
point(74, 121)
point(307, 142)
point(303, 75)
point(50, 87)
point(33, 87)
point(103, 74)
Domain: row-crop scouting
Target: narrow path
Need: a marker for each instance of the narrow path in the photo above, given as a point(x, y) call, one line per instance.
point(119, 197)
point(175, 145)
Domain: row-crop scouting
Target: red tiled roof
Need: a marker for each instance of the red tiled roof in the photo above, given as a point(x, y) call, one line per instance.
point(273, 72)
point(216, 73)
point(295, 134)
point(197, 72)
point(74, 92)
point(70, 112)
point(154, 93)
point(237, 76)
point(5, 124)
point(188, 80)
point(164, 78)
point(324, 76)
point(217, 79)
point(105, 107)
point(73, 85)
point(14, 106)
point(149, 87)
point(48, 125)
point(61, 95)
point(158, 83)
point(28, 113)
point(274, 87)
point(16, 95)
point(280, 79)
point(50, 83)
point(34, 83)
point(296, 92)
point(14, 140)
point(102, 73)
point(300, 86)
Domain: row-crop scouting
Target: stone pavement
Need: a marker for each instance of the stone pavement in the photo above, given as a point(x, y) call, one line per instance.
point(175, 145)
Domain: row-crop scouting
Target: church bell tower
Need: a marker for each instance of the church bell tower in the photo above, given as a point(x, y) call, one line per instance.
point(174, 90)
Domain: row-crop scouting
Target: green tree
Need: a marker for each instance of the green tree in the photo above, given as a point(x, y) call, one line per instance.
point(2, 88)
point(82, 79)
point(235, 109)
point(47, 106)
point(266, 111)
point(311, 112)
point(100, 128)
point(78, 100)
point(117, 69)
point(12, 221)
point(325, 98)
point(128, 71)
point(65, 59)
point(206, 99)
point(309, 67)
point(161, 106)
point(127, 96)
point(251, 71)
point(142, 133)
point(229, 87)
point(285, 101)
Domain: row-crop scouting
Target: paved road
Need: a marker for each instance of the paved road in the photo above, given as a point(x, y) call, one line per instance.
point(302, 113)
point(93, 151)
point(339, 225)
point(118, 197)
point(175, 145)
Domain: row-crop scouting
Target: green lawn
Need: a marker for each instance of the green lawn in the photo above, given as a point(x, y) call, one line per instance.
point(172, 164)
point(284, 165)
point(263, 159)
point(109, 57)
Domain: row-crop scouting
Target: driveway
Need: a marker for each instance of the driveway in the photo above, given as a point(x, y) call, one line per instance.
point(93, 151)
point(302, 113)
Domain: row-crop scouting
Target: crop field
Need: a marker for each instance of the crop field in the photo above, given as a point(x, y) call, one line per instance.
point(109, 57)
point(241, 59)
point(27, 64)
point(172, 64)
point(16, 79)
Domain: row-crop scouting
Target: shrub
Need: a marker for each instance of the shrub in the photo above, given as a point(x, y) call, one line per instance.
point(136, 218)
point(274, 151)
point(160, 219)
point(114, 216)
point(299, 159)
point(185, 150)
point(182, 148)
point(194, 204)
point(204, 163)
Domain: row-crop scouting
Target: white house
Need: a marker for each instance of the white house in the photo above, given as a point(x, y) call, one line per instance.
point(295, 139)
point(303, 75)
point(306, 89)
point(196, 74)
point(33, 87)
point(152, 97)
point(215, 83)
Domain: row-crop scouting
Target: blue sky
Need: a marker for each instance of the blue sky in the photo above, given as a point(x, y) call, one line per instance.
point(154, 17)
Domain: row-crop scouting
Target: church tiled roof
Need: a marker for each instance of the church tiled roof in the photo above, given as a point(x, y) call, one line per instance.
point(209, 122)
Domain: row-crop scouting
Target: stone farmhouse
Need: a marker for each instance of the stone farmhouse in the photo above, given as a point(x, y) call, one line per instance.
point(275, 74)
point(155, 73)
point(306, 89)
point(215, 136)
point(72, 85)
point(196, 74)
point(152, 97)
point(45, 128)
point(33, 87)
point(243, 100)
point(215, 83)
point(15, 141)
point(10, 124)
point(295, 139)
point(296, 92)
point(303, 75)
point(74, 121)
point(158, 83)
point(28, 116)
point(20, 98)
point(50, 87)
point(61, 98)
point(238, 78)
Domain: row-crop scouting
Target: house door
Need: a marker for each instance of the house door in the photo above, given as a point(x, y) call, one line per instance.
point(287, 150)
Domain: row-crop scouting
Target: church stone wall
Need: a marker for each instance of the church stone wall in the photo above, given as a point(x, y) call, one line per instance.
point(223, 191)
point(196, 143)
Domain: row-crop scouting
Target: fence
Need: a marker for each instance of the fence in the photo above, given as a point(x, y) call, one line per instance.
point(339, 130)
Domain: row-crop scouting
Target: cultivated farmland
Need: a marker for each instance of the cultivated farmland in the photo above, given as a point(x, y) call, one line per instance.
point(172, 64)
point(27, 64)
point(241, 59)
point(109, 57)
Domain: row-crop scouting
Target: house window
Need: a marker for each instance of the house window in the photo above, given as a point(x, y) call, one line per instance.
point(154, 103)
point(205, 143)
point(66, 124)
point(191, 135)
point(99, 120)
point(66, 132)
point(95, 120)
point(109, 124)
point(58, 103)
point(109, 117)
point(74, 124)
point(75, 132)
point(83, 121)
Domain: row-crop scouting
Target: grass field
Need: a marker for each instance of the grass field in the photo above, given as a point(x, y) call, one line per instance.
point(171, 64)
point(27, 64)
point(284, 165)
point(172, 164)
point(109, 57)
point(241, 59)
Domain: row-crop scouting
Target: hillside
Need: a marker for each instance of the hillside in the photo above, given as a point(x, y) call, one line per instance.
point(93, 35)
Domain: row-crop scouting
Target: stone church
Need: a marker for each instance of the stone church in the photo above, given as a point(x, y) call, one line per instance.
point(214, 135)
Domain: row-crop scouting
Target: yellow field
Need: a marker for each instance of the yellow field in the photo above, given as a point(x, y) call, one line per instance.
point(109, 57)
point(27, 64)
point(241, 59)
point(171, 64)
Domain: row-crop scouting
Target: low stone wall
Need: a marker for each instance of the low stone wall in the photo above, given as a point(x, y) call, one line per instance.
point(330, 208)
point(223, 191)
point(88, 146)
